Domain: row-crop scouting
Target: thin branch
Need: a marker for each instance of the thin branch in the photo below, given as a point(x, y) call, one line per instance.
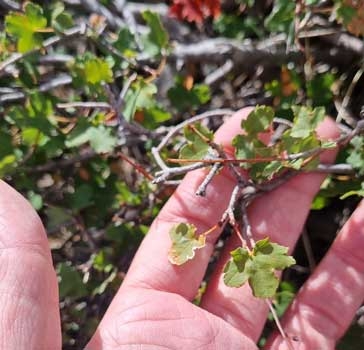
point(194, 119)
point(246, 229)
point(165, 174)
point(10, 5)
point(219, 73)
point(279, 325)
point(58, 81)
point(177, 128)
point(308, 249)
point(339, 169)
point(89, 104)
point(201, 191)
point(349, 92)
point(229, 212)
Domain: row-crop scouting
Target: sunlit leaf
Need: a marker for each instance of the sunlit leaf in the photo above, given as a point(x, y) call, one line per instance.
point(98, 70)
point(306, 120)
point(184, 243)
point(258, 120)
point(196, 147)
point(258, 267)
point(27, 26)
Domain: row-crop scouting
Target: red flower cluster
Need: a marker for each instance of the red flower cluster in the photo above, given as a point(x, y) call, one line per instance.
point(195, 10)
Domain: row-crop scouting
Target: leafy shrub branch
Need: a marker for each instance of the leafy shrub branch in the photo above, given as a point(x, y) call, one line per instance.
point(293, 148)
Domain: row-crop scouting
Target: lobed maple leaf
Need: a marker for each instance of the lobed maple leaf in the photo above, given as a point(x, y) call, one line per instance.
point(195, 10)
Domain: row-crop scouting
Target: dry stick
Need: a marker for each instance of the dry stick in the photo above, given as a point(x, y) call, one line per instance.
point(163, 175)
point(201, 191)
point(308, 249)
point(58, 81)
point(229, 212)
point(10, 5)
point(246, 227)
point(88, 104)
point(279, 325)
point(347, 97)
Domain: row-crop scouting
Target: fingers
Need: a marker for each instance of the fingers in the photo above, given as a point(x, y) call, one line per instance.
point(28, 285)
point(150, 268)
point(325, 306)
point(279, 215)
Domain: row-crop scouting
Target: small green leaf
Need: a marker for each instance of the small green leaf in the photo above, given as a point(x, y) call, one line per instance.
point(139, 97)
point(196, 147)
point(35, 200)
point(26, 27)
point(154, 116)
point(257, 267)
point(356, 154)
point(125, 43)
point(7, 163)
point(235, 271)
point(157, 39)
point(184, 243)
point(61, 19)
point(259, 120)
point(273, 255)
point(97, 71)
point(264, 283)
point(70, 282)
point(346, 13)
point(186, 99)
point(306, 120)
point(281, 19)
point(82, 197)
point(101, 139)
point(244, 149)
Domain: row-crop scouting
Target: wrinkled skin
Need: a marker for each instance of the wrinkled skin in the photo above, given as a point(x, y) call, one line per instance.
point(153, 308)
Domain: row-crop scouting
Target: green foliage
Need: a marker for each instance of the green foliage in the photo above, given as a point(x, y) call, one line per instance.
point(141, 96)
point(184, 99)
point(356, 154)
point(265, 161)
point(232, 26)
point(64, 155)
point(345, 12)
point(282, 16)
point(257, 267)
point(99, 137)
point(97, 71)
point(305, 121)
point(156, 41)
point(184, 243)
point(70, 282)
point(259, 120)
point(196, 148)
point(27, 27)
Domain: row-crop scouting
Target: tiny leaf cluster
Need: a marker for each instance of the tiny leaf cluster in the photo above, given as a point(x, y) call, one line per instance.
point(257, 267)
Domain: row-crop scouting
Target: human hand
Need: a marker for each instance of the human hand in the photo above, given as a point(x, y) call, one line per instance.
point(153, 309)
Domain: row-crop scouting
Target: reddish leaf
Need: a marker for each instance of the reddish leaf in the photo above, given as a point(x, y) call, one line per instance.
point(195, 10)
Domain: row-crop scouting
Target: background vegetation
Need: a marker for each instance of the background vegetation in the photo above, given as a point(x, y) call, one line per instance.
point(87, 87)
